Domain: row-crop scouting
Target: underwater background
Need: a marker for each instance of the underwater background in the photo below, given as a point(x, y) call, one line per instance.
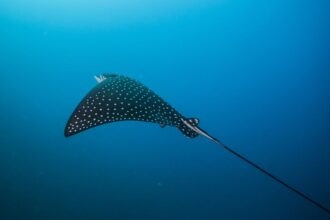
point(256, 73)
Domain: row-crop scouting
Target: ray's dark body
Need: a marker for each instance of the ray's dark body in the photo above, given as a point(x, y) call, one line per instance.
point(120, 98)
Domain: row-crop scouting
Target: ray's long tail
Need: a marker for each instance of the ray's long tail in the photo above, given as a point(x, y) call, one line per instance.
point(303, 195)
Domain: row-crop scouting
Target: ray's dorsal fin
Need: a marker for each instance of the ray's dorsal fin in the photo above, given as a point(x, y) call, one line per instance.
point(187, 127)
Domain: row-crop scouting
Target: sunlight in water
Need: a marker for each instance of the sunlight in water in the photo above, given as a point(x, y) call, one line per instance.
point(76, 12)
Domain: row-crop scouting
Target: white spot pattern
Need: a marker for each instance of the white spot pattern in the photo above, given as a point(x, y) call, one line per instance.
point(119, 98)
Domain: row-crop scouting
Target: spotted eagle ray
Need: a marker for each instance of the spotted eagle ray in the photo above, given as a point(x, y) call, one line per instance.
point(119, 98)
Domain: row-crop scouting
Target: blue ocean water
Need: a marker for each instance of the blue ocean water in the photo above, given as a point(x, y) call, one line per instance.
point(256, 74)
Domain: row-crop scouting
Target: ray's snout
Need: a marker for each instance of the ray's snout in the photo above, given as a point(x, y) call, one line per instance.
point(104, 76)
